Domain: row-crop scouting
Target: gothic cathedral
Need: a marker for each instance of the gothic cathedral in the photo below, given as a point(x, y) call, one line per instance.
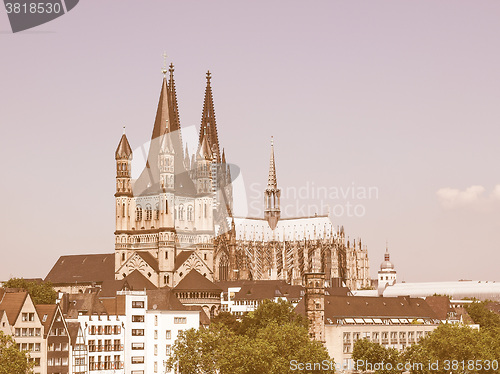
point(177, 215)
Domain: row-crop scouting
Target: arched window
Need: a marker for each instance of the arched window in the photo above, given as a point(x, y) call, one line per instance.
point(223, 267)
point(123, 256)
point(138, 213)
point(166, 206)
point(181, 213)
point(149, 212)
point(190, 213)
point(157, 210)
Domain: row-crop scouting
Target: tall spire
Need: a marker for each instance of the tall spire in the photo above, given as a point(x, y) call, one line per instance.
point(272, 194)
point(208, 123)
point(272, 183)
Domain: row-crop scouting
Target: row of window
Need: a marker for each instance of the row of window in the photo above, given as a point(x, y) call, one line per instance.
point(58, 347)
point(57, 361)
point(28, 317)
point(168, 349)
point(108, 345)
point(105, 330)
point(32, 347)
point(28, 332)
point(385, 336)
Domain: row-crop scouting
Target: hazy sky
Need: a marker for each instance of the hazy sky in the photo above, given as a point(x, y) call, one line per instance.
point(400, 97)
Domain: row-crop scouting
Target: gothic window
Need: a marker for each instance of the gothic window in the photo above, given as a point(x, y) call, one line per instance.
point(157, 210)
point(190, 215)
point(123, 210)
point(165, 279)
point(166, 255)
point(149, 213)
point(138, 213)
point(223, 267)
point(123, 256)
point(181, 213)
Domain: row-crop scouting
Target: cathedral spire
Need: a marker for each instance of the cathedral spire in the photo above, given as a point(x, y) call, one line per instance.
point(208, 123)
point(272, 194)
point(272, 183)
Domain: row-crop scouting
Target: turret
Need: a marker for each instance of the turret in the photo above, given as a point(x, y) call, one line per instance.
point(272, 194)
point(123, 157)
point(203, 167)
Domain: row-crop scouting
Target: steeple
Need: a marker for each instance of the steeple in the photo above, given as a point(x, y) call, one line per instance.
point(123, 157)
point(272, 183)
point(272, 194)
point(208, 123)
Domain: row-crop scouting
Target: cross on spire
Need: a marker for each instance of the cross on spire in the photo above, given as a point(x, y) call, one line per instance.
point(164, 69)
point(209, 76)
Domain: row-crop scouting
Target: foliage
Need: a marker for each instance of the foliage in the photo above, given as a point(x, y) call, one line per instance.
point(12, 360)
point(41, 293)
point(373, 354)
point(264, 341)
point(483, 316)
point(447, 345)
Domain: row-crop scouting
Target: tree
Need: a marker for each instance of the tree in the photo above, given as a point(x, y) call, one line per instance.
point(264, 341)
point(13, 360)
point(41, 293)
point(370, 356)
point(483, 316)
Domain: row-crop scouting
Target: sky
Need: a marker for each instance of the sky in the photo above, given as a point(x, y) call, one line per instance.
point(384, 114)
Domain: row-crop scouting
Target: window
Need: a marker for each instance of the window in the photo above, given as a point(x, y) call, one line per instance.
point(181, 213)
point(179, 320)
point(123, 256)
point(138, 359)
point(169, 334)
point(18, 332)
point(156, 367)
point(137, 332)
point(138, 213)
point(137, 346)
point(190, 215)
point(156, 334)
point(137, 304)
point(137, 318)
point(149, 213)
point(38, 332)
point(168, 349)
point(156, 350)
point(117, 330)
point(157, 210)
point(156, 320)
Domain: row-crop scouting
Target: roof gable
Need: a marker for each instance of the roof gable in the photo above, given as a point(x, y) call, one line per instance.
point(196, 282)
point(12, 303)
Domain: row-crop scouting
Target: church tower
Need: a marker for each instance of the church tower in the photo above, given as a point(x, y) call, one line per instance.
point(315, 305)
point(272, 194)
point(387, 273)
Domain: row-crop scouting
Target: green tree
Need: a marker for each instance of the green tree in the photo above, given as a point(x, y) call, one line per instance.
point(265, 341)
point(12, 360)
point(41, 293)
point(369, 356)
point(483, 316)
point(455, 343)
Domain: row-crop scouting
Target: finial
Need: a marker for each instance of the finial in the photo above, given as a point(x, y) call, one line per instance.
point(164, 70)
point(387, 245)
point(209, 76)
point(272, 141)
point(123, 130)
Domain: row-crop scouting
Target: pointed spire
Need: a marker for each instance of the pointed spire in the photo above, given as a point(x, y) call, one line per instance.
point(223, 156)
point(123, 151)
point(204, 151)
point(272, 183)
point(208, 123)
point(186, 158)
point(166, 142)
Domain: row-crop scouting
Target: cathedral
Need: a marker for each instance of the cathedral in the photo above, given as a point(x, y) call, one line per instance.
point(177, 216)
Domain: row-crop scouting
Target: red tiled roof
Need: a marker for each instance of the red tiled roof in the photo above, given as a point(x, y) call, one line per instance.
point(163, 299)
point(194, 281)
point(46, 313)
point(150, 260)
point(83, 269)
point(11, 303)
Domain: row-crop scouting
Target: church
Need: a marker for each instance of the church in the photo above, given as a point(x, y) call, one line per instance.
point(177, 216)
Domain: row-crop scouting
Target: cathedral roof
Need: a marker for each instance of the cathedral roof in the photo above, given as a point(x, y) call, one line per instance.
point(299, 228)
point(134, 281)
point(76, 269)
point(194, 281)
point(150, 260)
point(181, 258)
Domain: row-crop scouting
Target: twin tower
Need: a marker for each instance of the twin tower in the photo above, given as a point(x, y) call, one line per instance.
point(165, 220)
